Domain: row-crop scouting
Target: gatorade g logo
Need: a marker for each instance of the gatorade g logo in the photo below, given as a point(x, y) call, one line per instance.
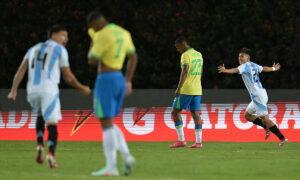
point(80, 121)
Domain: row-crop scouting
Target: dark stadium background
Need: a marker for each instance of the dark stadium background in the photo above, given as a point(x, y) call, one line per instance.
point(218, 29)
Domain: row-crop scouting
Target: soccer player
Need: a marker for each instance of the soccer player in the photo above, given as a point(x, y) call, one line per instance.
point(45, 61)
point(110, 45)
point(258, 94)
point(189, 91)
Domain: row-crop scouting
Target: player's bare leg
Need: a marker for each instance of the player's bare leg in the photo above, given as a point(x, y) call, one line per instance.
point(179, 128)
point(257, 120)
point(274, 129)
point(198, 129)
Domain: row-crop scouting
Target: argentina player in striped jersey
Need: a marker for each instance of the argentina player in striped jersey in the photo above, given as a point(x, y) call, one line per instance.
point(45, 61)
point(258, 94)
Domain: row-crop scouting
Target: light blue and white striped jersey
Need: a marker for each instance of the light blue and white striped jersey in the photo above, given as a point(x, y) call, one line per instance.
point(249, 72)
point(44, 63)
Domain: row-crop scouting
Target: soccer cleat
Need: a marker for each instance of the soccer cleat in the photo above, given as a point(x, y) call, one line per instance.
point(178, 144)
point(106, 172)
point(39, 154)
point(51, 161)
point(283, 142)
point(196, 145)
point(268, 133)
point(129, 163)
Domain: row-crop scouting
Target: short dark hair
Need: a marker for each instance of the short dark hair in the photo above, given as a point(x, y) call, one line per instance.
point(246, 51)
point(93, 16)
point(56, 28)
point(181, 39)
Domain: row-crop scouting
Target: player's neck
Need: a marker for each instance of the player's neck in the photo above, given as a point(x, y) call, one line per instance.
point(187, 48)
point(246, 61)
point(102, 25)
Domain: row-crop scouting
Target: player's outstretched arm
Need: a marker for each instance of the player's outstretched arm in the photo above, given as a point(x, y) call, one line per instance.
point(71, 79)
point(131, 66)
point(275, 67)
point(17, 79)
point(222, 69)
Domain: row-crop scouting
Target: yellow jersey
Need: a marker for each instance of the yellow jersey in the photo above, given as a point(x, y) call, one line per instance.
point(192, 83)
point(111, 44)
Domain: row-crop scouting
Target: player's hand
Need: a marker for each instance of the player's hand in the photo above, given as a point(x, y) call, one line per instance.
point(85, 90)
point(177, 92)
point(221, 69)
point(12, 95)
point(128, 88)
point(276, 66)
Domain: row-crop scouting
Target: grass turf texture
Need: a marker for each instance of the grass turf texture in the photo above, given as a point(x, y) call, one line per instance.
point(216, 160)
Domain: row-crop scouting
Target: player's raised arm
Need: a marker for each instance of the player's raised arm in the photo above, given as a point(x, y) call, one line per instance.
point(17, 79)
point(275, 67)
point(222, 69)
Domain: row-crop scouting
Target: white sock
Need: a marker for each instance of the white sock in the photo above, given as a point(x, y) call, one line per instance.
point(198, 133)
point(179, 129)
point(109, 147)
point(121, 143)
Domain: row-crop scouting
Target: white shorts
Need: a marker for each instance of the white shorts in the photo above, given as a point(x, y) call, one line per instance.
point(258, 104)
point(46, 104)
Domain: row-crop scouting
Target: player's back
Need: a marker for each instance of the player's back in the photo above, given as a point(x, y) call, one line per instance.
point(111, 45)
point(192, 84)
point(44, 62)
point(250, 74)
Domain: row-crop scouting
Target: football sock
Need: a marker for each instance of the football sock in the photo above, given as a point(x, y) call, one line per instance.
point(277, 132)
point(198, 133)
point(40, 128)
point(179, 129)
point(121, 144)
point(52, 138)
point(259, 122)
point(109, 147)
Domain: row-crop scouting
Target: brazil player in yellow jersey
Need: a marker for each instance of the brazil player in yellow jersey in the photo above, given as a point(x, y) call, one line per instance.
point(189, 91)
point(110, 46)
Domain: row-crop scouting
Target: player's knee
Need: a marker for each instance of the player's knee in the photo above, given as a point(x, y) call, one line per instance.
point(106, 122)
point(247, 116)
point(195, 113)
point(175, 112)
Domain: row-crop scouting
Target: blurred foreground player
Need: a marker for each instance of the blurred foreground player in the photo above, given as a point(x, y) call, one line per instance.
point(258, 94)
point(189, 91)
point(110, 46)
point(45, 61)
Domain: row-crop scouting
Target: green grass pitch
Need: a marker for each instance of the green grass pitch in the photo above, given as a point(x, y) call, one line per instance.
point(216, 160)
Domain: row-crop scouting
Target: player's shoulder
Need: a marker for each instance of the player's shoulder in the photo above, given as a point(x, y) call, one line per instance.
point(57, 46)
point(197, 52)
point(241, 67)
point(254, 63)
point(184, 54)
point(36, 45)
point(120, 28)
point(191, 52)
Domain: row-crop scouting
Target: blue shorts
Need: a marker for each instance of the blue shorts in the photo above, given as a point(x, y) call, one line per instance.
point(109, 94)
point(190, 102)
